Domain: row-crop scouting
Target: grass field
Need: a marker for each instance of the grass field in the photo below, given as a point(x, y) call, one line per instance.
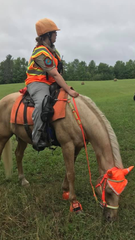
point(38, 212)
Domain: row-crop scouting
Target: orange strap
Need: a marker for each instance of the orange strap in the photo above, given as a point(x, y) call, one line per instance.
point(64, 99)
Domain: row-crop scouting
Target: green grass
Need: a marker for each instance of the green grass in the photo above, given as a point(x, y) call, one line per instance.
point(38, 212)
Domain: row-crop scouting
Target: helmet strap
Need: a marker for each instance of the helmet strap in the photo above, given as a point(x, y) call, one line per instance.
point(49, 36)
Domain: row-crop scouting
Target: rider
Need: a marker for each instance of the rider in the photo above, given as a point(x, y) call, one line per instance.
point(42, 71)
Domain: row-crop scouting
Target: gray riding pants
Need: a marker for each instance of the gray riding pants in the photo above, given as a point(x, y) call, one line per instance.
point(37, 91)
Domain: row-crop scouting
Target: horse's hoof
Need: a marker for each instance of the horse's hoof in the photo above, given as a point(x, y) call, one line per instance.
point(25, 183)
point(80, 212)
point(76, 207)
point(65, 195)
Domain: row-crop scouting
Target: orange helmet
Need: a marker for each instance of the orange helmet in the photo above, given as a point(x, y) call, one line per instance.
point(45, 25)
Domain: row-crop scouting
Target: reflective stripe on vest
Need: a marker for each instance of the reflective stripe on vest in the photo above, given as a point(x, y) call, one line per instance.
point(35, 72)
point(41, 50)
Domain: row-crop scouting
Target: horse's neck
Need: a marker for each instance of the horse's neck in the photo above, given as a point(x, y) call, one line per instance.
point(98, 135)
point(100, 142)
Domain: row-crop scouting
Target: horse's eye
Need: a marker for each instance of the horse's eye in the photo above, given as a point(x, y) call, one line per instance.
point(109, 194)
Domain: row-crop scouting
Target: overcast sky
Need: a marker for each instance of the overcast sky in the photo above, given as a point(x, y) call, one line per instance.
point(99, 30)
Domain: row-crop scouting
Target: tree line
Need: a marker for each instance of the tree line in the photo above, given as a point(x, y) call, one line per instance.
point(14, 70)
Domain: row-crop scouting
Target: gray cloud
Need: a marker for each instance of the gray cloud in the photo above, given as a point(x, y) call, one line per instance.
point(97, 30)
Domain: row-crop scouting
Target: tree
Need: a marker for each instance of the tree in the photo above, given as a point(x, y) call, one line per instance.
point(119, 70)
point(130, 69)
point(105, 72)
point(92, 69)
point(19, 70)
point(73, 70)
point(14, 70)
point(82, 71)
point(6, 70)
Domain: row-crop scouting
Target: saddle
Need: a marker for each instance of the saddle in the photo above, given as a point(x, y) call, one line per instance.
point(23, 108)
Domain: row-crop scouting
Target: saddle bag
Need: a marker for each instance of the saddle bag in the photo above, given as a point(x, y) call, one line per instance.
point(47, 108)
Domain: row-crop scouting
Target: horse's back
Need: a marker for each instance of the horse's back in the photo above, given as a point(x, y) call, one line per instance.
point(6, 104)
point(10, 98)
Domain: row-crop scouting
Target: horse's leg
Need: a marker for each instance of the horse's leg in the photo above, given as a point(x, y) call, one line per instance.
point(6, 152)
point(3, 141)
point(68, 150)
point(65, 184)
point(19, 152)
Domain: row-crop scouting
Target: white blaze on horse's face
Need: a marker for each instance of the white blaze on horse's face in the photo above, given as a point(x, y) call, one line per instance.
point(112, 199)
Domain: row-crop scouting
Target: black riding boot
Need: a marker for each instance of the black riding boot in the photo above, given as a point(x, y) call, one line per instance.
point(47, 113)
point(43, 141)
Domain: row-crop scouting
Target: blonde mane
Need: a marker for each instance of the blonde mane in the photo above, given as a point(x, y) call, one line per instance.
point(108, 127)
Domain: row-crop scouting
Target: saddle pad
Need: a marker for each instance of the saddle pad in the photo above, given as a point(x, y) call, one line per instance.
point(59, 110)
point(60, 106)
point(20, 113)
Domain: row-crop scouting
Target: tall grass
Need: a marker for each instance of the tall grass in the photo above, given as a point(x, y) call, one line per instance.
point(38, 212)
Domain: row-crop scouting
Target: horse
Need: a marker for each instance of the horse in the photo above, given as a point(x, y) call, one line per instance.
point(97, 130)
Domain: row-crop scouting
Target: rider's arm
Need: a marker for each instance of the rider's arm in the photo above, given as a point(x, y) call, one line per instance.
point(61, 82)
point(52, 71)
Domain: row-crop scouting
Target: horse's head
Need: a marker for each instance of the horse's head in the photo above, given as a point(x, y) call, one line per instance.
point(112, 204)
point(109, 188)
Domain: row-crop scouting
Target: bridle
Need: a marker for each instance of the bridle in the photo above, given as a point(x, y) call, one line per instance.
point(102, 188)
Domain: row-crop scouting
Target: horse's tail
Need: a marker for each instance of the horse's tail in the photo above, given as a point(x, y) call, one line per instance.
point(7, 159)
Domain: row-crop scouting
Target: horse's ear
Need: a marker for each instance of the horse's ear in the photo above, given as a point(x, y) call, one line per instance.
point(127, 170)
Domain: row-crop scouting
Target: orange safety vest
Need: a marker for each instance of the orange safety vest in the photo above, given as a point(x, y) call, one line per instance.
point(34, 72)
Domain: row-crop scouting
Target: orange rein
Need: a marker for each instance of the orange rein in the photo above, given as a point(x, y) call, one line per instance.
point(105, 177)
point(77, 117)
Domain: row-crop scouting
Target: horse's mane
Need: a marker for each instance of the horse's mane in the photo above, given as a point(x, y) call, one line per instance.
point(108, 127)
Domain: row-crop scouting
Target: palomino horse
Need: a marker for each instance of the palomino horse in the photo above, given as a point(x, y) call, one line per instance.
point(97, 130)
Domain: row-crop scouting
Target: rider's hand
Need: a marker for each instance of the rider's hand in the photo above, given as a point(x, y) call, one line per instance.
point(73, 93)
